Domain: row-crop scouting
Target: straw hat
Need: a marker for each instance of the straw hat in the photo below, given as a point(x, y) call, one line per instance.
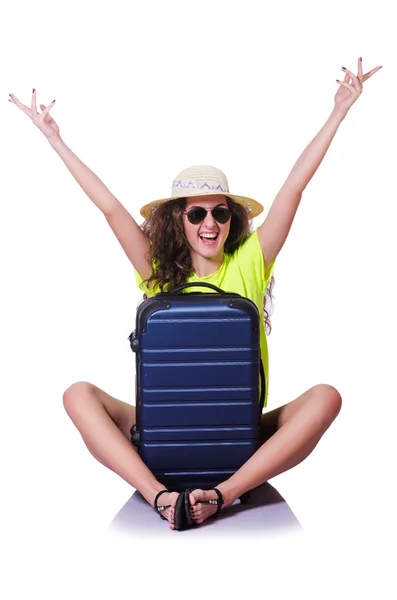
point(199, 181)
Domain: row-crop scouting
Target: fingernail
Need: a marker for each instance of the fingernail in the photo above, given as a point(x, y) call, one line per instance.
point(360, 58)
point(344, 68)
point(337, 81)
point(34, 90)
point(53, 100)
point(10, 95)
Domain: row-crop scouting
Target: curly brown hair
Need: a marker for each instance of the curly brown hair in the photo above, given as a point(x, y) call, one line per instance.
point(170, 255)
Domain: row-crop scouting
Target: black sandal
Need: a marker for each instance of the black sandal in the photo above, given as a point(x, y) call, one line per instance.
point(180, 512)
point(160, 509)
point(181, 517)
point(219, 501)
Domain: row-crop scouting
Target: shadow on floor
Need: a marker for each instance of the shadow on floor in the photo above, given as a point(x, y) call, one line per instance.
point(266, 512)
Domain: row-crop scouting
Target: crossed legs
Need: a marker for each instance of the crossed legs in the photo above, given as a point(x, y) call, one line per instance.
point(289, 434)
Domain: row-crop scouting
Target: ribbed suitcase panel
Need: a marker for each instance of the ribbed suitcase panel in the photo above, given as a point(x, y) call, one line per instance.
point(194, 333)
point(163, 375)
point(196, 414)
point(171, 433)
point(203, 393)
point(196, 455)
point(185, 354)
point(204, 478)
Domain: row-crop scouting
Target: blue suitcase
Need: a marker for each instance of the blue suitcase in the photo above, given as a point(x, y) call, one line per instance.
point(200, 385)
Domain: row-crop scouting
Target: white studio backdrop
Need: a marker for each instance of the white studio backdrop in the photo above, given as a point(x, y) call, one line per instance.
point(143, 91)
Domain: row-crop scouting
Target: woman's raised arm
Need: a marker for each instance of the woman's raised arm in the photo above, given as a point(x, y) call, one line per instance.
point(124, 226)
point(273, 232)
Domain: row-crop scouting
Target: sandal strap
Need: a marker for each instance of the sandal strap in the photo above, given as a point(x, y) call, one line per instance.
point(159, 509)
point(219, 502)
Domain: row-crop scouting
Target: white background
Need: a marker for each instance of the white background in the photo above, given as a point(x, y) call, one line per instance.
point(144, 90)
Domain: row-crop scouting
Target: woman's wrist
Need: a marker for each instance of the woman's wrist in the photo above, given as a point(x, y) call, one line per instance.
point(56, 142)
point(337, 115)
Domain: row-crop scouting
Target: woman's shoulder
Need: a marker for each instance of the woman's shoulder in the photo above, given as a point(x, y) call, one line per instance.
point(249, 260)
point(250, 245)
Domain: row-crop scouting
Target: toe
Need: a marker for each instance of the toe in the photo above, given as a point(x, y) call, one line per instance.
point(203, 495)
point(169, 513)
point(195, 496)
point(173, 498)
point(197, 513)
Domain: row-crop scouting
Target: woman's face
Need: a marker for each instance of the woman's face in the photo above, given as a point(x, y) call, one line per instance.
point(197, 235)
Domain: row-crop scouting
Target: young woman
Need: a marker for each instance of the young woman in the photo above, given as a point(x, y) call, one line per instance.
point(202, 234)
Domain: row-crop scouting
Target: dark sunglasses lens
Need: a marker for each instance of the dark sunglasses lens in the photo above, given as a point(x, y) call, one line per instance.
point(196, 215)
point(222, 215)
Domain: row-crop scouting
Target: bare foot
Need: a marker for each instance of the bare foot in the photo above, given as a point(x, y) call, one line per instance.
point(201, 512)
point(168, 513)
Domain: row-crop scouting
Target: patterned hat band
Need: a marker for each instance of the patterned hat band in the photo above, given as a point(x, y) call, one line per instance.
point(199, 186)
point(201, 181)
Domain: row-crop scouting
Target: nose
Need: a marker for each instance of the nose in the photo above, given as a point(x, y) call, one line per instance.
point(209, 220)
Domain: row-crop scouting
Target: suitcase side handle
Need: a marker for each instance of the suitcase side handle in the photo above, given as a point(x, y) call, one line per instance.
point(263, 388)
point(178, 289)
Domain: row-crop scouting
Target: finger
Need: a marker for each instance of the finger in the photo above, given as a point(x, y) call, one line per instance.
point(24, 108)
point(355, 79)
point(34, 107)
point(349, 86)
point(47, 110)
point(360, 68)
point(370, 73)
point(48, 117)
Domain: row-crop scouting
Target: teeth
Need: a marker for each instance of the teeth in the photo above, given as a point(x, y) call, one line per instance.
point(209, 236)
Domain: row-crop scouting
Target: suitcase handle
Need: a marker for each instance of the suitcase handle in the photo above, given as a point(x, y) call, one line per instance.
point(176, 290)
point(263, 388)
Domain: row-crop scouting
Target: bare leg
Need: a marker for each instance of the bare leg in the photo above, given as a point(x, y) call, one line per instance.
point(104, 424)
point(298, 427)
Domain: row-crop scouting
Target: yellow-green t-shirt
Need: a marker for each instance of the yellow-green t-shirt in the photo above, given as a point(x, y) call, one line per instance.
point(244, 273)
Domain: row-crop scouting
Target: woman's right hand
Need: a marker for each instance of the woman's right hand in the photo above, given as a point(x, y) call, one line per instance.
point(43, 121)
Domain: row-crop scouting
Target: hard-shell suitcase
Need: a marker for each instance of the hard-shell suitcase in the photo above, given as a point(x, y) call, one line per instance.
point(200, 385)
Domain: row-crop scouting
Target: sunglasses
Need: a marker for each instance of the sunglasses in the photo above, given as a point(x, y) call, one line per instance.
point(197, 214)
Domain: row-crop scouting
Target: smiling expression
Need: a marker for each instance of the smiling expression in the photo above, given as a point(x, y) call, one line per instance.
point(196, 234)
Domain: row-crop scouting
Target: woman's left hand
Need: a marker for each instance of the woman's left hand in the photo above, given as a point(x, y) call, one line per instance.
point(348, 92)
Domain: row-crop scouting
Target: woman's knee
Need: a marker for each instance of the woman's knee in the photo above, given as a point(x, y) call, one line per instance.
point(74, 396)
point(328, 402)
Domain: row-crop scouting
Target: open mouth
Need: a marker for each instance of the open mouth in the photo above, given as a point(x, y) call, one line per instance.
point(209, 239)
